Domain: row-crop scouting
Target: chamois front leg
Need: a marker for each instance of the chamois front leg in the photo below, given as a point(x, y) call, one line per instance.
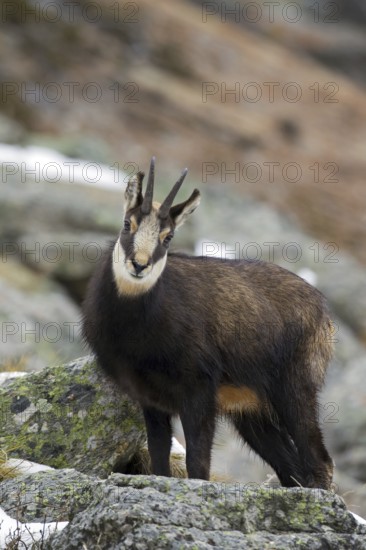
point(159, 440)
point(198, 421)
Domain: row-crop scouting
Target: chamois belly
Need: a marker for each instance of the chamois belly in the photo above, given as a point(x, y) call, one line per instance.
point(152, 389)
point(158, 390)
point(231, 399)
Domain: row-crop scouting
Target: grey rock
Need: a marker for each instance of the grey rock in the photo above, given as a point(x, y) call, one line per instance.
point(10, 130)
point(352, 491)
point(31, 206)
point(152, 512)
point(54, 495)
point(39, 321)
point(70, 416)
point(155, 512)
point(65, 256)
point(348, 436)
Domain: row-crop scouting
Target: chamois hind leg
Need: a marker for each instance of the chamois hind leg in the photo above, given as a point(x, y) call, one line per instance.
point(198, 418)
point(272, 444)
point(301, 421)
point(159, 440)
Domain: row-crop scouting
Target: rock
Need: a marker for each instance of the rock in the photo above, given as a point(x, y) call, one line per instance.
point(63, 255)
point(48, 496)
point(151, 512)
point(70, 258)
point(75, 146)
point(70, 416)
point(28, 206)
point(39, 321)
point(351, 490)
point(348, 436)
point(10, 130)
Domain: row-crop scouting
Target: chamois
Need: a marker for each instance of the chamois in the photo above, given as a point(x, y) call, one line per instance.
point(201, 337)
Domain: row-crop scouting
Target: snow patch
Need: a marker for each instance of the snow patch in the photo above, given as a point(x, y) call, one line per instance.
point(27, 533)
point(6, 375)
point(177, 448)
point(309, 275)
point(26, 466)
point(360, 520)
point(36, 164)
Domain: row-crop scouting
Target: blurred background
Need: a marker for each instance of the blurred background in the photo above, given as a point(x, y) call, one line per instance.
point(265, 102)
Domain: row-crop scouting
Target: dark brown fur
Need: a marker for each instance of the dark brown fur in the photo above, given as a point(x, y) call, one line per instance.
point(209, 323)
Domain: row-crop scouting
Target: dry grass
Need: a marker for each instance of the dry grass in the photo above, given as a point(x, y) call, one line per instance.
point(6, 472)
point(14, 364)
point(141, 465)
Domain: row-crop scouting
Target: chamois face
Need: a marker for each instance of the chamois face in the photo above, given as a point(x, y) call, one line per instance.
point(140, 252)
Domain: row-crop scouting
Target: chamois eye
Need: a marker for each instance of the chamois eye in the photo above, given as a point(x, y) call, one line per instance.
point(167, 239)
point(127, 225)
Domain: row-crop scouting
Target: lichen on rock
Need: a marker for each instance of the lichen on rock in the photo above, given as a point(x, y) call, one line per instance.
point(154, 512)
point(70, 416)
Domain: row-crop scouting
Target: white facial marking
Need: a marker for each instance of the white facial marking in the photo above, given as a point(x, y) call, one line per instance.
point(127, 283)
point(146, 239)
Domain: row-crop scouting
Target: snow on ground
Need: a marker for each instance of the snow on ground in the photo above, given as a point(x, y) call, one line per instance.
point(177, 448)
point(9, 374)
point(25, 533)
point(360, 520)
point(23, 467)
point(37, 164)
point(309, 275)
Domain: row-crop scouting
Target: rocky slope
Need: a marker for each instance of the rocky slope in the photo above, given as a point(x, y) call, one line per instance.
point(162, 77)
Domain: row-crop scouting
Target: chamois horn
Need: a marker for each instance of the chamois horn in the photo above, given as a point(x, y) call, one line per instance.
point(148, 198)
point(165, 207)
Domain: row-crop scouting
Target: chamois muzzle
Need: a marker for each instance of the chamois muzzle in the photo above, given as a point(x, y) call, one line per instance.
point(139, 267)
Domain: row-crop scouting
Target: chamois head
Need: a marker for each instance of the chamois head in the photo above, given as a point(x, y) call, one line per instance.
point(141, 251)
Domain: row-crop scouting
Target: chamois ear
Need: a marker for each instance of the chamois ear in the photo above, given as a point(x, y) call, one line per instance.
point(133, 193)
point(180, 212)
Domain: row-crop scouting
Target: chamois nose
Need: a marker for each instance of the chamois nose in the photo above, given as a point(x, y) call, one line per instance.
point(138, 267)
